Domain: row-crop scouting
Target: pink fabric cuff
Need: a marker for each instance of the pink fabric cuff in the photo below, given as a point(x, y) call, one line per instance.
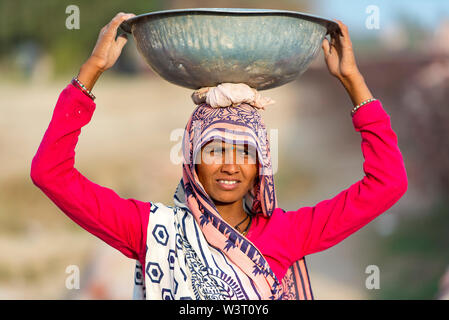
point(369, 113)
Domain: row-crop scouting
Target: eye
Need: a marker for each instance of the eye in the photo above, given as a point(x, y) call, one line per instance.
point(247, 152)
point(214, 150)
point(217, 150)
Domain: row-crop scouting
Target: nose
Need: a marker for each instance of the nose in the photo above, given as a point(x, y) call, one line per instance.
point(230, 168)
point(229, 164)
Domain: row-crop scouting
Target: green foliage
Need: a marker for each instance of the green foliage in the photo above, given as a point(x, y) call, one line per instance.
point(415, 256)
point(44, 23)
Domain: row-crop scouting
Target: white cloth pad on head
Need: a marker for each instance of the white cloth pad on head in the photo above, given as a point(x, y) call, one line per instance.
point(228, 94)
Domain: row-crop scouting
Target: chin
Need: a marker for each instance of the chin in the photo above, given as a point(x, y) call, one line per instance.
point(227, 198)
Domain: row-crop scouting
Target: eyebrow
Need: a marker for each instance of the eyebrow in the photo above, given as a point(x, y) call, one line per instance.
point(228, 146)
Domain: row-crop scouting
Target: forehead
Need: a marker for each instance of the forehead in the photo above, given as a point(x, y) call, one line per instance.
point(221, 143)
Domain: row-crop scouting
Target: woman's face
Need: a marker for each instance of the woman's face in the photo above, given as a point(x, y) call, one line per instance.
point(226, 171)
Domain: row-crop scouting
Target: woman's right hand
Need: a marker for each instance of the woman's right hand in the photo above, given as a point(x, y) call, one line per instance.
point(106, 51)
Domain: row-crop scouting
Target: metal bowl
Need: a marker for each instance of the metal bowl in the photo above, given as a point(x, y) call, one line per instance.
point(203, 47)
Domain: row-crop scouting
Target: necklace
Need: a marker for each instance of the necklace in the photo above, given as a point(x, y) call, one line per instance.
point(247, 227)
point(244, 232)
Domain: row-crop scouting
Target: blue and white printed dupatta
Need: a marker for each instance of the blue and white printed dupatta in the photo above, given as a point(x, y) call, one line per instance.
point(192, 253)
point(180, 264)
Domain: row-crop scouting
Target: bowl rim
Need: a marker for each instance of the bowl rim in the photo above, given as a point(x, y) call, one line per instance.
point(331, 26)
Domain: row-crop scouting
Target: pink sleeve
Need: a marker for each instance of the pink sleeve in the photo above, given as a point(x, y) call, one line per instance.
point(385, 182)
point(119, 222)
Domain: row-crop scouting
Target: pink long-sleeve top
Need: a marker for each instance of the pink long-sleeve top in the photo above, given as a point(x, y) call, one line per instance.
point(283, 238)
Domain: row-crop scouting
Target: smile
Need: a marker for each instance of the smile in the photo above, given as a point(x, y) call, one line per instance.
point(228, 184)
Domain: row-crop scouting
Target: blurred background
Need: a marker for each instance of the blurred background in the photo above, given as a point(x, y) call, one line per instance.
point(404, 56)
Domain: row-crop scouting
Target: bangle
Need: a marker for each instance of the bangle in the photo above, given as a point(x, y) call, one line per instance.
point(80, 86)
point(361, 104)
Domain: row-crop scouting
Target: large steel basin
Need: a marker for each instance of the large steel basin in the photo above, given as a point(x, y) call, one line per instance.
point(200, 47)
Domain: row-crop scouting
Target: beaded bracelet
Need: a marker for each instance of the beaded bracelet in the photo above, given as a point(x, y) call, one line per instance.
point(79, 85)
point(361, 104)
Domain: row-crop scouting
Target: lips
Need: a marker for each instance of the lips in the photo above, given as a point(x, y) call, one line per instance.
point(228, 184)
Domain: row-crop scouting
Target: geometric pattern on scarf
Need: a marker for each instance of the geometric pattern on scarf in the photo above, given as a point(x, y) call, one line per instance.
point(234, 125)
point(238, 124)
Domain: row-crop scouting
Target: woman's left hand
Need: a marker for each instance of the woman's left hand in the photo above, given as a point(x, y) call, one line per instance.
point(341, 63)
point(339, 55)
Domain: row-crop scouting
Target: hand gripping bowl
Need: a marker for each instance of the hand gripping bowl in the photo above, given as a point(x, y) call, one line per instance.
point(203, 47)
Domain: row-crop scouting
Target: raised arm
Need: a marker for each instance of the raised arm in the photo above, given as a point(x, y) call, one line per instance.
point(316, 228)
point(312, 229)
point(119, 222)
point(385, 180)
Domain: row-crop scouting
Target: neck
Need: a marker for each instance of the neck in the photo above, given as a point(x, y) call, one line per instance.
point(232, 213)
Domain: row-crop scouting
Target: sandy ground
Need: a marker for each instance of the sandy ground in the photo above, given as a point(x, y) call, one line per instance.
point(126, 147)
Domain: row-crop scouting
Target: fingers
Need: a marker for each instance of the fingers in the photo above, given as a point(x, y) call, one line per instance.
point(344, 39)
point(119, 18)
point(111, 28)
point(122, 40)
point(330, 47)
point(326, 47)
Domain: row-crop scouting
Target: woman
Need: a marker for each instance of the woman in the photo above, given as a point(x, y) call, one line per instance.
point(225, 237)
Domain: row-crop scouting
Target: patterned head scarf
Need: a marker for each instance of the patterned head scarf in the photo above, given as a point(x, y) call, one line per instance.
point(233, 125)
point(221, 116)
